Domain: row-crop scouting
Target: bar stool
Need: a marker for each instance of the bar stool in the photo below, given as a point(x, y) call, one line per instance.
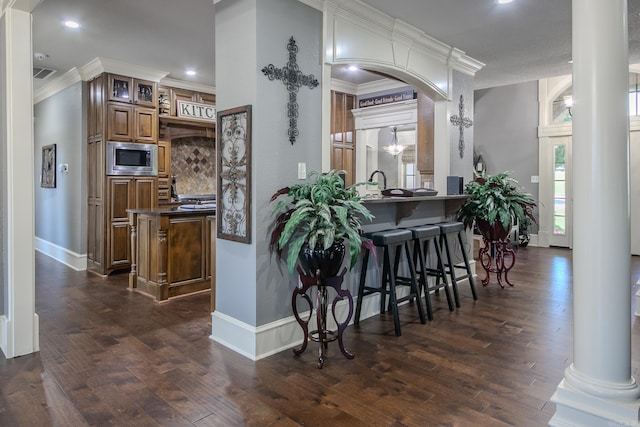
point(447, 230)
point(424, 237)
point(392, 242)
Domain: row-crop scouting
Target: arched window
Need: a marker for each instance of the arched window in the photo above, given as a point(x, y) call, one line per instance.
point(564, 102)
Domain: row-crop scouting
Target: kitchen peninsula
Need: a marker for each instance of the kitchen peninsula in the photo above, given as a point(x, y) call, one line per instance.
point(172, 250)
point(391, 212)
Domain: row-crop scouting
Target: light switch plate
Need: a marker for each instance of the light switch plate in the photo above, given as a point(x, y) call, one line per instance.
point(302, 171)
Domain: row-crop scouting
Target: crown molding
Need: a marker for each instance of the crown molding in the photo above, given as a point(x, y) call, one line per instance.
point(463, 63)
point(56, 85)
point(380, 86)
point(345, 87)
point(183, 84)
point(316, 4)
point(101, 65)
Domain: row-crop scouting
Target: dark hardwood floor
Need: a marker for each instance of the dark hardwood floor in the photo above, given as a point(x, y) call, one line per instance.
point(112, 357)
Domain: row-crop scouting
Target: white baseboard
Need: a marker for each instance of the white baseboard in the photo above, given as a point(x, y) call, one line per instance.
point(69, 258)
point(259, 342)
point(4, 332)
point(6, 336)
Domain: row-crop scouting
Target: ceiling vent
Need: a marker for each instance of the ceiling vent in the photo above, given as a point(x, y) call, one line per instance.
point(42, 73)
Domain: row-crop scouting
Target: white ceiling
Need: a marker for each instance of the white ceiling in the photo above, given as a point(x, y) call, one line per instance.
point(521, 41)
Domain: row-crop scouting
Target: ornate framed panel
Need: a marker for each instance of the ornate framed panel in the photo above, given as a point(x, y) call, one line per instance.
point(233, 204)
point(48, 173)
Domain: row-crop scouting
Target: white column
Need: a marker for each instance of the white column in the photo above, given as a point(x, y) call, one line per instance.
point(19, 322)
point(598, 388)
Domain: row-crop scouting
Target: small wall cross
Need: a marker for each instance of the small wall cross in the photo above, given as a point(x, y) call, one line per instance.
point(462, 122)
point(293, 79)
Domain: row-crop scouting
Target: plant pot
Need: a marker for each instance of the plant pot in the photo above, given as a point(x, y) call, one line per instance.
point(493, 231)
point(328, 261)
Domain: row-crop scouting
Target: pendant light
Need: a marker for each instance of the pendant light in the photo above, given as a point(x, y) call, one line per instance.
point(394, 148)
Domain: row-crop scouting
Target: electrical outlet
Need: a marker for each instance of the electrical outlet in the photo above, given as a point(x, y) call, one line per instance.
point(302, 171)
point(535, 179)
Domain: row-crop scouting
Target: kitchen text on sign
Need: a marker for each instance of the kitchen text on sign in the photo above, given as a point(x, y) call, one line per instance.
point(193, 110)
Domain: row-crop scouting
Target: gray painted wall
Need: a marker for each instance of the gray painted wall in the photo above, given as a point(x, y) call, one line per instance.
point(249, 288)
point(61, 212)
point(506, 132)
point(4, 297)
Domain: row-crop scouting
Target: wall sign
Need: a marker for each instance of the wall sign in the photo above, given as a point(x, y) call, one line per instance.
point(194, 110)
point(405, 95)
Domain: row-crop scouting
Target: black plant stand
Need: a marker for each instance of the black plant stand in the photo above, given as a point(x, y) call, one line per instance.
point(321, 335)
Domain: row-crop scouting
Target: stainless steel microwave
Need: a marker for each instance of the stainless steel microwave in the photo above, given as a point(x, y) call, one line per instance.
point(131, 158)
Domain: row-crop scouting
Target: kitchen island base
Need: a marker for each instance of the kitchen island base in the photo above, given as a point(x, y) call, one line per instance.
point(170, 252)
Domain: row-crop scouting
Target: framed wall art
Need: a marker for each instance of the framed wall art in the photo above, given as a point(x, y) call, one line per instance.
point(48, 174)
point(233, 213)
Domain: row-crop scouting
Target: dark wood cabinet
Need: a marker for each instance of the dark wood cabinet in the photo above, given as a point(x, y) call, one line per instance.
point(343, 136)
point(178, 94)
point(205, 98)
point(172, 252)
point(164, 171)
point(126, 193)
point(134, 91)
point(425, 135)
point(132, 123)
point(119, 108)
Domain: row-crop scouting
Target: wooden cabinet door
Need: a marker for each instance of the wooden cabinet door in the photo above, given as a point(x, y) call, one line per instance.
point(99, 106)
point(343, 141)
point(120, 123)
point(119, 237)
point(164, 159)
point(145, 125)
point(180, 95)
point(145, 195)
point(120, 197)
point(146, 93)
point(425, 134)
point(121, 88)
point(206, 98)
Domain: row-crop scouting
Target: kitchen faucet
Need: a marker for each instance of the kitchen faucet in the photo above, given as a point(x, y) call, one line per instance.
point(384, 178)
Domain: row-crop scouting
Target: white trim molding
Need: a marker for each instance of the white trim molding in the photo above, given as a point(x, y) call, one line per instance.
point(56, 85)
point(256, 343)
point(101, 65)
point(358, 34)
point(69, 258)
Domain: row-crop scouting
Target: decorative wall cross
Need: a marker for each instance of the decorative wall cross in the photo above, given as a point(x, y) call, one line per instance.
point(462, 122)
point(293, 79)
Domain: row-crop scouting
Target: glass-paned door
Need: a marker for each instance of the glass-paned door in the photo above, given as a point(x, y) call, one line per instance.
point(561, 159)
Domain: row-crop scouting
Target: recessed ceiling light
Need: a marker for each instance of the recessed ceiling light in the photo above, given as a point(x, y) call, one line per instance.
point(504, 1)
point(71, 24)
point(190, 73)
point(353, 68)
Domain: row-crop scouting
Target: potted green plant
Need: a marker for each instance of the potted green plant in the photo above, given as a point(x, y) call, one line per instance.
point(312, 221)
point(493, 203)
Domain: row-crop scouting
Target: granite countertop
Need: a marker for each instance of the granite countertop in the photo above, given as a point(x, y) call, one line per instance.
point(175, 211)
point(395, 199)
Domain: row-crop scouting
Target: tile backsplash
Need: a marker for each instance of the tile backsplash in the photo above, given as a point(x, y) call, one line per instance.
point(193, 163)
